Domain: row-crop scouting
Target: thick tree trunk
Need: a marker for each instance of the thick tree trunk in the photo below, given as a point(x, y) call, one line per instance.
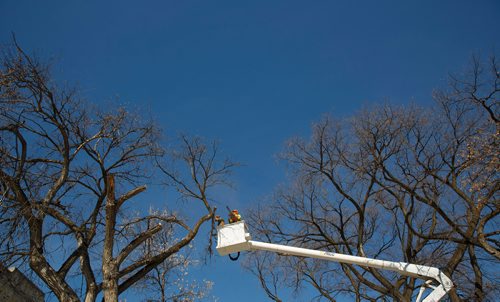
point(109, 265)
point(42, 268)
point(60, 288)
point(110, 282)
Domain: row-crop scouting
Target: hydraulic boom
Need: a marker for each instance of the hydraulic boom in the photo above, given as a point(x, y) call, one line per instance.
point(233, 238)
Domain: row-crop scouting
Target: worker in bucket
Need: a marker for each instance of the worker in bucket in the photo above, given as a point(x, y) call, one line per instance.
point(234, 216)
point(219, 220)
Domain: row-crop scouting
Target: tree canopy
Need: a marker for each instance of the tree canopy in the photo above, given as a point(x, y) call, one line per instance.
point(67, 169)
point(401, 183)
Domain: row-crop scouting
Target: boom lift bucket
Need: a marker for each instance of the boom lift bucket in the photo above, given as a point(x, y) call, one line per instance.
point(232, 238)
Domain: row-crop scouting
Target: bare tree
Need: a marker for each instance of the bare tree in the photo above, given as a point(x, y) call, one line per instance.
point(67, 169)
point(408, 184)
point(268, 268)
point(168, 281)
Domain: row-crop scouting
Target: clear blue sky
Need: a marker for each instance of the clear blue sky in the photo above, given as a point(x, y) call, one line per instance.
point(253, 73)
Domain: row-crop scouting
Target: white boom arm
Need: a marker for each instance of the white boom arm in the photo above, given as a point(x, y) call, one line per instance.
point(233, 238)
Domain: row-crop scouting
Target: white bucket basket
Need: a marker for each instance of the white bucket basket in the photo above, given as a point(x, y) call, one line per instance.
point(232, 238)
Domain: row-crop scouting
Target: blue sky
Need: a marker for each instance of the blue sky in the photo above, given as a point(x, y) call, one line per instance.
point(253, 73)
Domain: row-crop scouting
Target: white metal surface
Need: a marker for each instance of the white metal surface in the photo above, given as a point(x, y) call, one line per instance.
point(234, 238)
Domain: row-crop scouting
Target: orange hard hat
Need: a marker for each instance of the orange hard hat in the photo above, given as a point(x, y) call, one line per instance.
point(235, 211)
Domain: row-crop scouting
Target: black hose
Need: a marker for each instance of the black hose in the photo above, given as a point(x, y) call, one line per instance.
point(234, 258)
